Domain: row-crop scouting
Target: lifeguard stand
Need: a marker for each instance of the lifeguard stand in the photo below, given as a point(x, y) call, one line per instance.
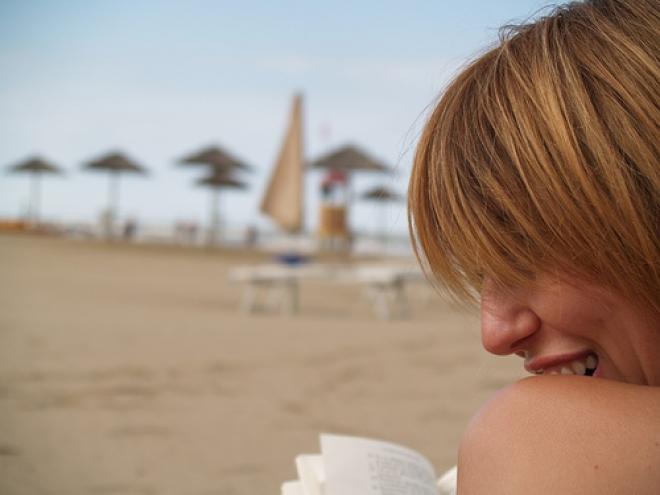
point(333, 230)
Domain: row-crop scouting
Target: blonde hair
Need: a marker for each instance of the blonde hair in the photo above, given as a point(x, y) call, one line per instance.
point(545, 151)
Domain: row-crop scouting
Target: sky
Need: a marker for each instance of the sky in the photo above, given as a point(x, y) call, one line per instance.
point(161, 79)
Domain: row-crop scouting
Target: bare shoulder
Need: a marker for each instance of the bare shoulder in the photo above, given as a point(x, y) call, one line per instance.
point(563, 435)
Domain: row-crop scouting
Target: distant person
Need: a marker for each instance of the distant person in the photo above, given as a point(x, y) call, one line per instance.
point(180, 233)
point(192, 230)
point(185, 232)
point(251, 236)
point(535, 191)
point(130, 228)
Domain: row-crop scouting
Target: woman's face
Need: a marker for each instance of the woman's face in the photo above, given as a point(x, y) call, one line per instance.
point(565, 326)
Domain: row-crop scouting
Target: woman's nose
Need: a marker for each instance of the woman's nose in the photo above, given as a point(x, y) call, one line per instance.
point(507, 321)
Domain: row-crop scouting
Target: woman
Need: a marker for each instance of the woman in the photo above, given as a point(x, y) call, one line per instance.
point(536, 191)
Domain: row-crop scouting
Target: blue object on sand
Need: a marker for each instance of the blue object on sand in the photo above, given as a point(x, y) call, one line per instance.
point(292, 258)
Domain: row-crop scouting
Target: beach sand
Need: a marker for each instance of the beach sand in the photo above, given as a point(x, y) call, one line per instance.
point(127, 369)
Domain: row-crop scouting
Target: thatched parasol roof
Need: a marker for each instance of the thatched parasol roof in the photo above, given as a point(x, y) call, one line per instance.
point(349, 158)
point(217, 158)
point(381, 193)
point(115, 162)
point(221, 181)
point(35, 165)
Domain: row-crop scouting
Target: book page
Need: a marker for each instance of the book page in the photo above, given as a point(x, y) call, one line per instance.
point(311, 473)
point(292, 488)
point(361, 466)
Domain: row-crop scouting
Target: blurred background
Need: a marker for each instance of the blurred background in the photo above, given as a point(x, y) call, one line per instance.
point(159, 81)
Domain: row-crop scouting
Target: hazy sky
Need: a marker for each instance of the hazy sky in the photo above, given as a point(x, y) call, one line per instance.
point(159, 80)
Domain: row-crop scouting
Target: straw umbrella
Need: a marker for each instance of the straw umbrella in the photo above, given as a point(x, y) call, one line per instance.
point(350, 158)
point(216, 158)
point(36, 167)
point(383, 195)
point(217, 181)
point(221, 166)
point(115, 164)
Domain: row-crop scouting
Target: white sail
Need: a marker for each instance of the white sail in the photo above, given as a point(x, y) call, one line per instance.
point(283, 199)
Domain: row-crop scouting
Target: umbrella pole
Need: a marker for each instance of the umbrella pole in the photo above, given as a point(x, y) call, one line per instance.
point(383, 223)
point(349, 240)
point(213, 228)
point(34, 199)
point(113, 200)
point(218, 212)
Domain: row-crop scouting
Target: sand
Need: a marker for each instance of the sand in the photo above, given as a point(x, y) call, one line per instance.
point(127, 369)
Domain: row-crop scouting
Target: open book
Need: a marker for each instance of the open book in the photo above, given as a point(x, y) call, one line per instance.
point(362, 466)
